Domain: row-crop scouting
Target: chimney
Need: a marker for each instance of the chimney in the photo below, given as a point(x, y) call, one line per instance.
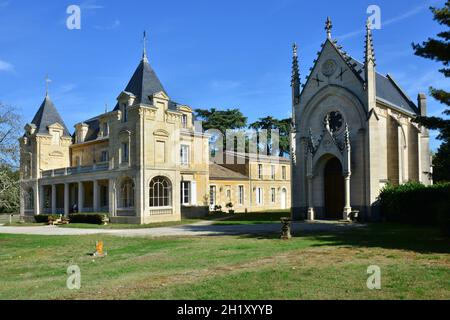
point(422, 104)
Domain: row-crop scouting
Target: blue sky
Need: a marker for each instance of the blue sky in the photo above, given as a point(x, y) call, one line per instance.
point(223, 54)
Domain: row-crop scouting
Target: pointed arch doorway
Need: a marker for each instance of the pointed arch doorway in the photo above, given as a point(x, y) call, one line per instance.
point(334, 189)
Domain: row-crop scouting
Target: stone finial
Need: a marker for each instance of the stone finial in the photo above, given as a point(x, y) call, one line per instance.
point(347, 137)
point(369, 55)
point(295, 82)
point(328, 27)
point(295, 67)
point(47, 84)
point(144, 54)
point(311, 146)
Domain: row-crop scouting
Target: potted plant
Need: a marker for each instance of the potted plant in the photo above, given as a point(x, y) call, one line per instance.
point(230, 207)
point(217, 209)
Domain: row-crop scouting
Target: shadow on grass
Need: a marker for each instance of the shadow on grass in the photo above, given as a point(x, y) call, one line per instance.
point(386, 236)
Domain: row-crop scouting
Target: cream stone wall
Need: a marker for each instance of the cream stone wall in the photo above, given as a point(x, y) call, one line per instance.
point(280, 185)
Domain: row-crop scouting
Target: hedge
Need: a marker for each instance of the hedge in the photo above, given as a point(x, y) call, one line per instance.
point(44, 218)
point(96, 218)
point(415, 203)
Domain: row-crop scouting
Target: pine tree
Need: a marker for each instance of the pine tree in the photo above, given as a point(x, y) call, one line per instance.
point(439, 50)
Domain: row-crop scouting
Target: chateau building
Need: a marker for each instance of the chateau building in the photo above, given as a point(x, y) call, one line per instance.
point(143, 162)
point(353, 134)
point(251, 183)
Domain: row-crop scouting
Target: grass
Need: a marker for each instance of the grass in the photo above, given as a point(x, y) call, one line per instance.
point(415, 264)
point(216, 218)
point(253, 218)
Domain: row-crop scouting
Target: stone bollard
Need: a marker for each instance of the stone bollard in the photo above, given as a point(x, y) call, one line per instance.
point(286, 229)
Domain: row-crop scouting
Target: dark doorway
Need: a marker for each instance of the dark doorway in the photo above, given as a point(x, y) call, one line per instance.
point(334, 190)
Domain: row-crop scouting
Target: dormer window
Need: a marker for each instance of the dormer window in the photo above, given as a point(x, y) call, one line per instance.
point(124, 113)
point(56, 137)
point(184, 121)
point(56, 131)
point(105, 129)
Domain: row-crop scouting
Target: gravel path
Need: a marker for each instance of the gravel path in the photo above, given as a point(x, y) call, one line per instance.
point(206, 228)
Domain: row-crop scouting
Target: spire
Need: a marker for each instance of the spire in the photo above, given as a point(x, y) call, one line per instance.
point(369, 50)
point(295, 68)
point(328, 27)
point(47, 84)
point(347, 137)
point(295, 81)
point(369, 69)
point(46, 116)
point(144, 83)
point(144, 54)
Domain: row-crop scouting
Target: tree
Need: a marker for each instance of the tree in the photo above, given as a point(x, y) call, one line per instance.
point(439, 50)
point(10, 128)
point(222, 120)
point(9, 190)
point(270, 123)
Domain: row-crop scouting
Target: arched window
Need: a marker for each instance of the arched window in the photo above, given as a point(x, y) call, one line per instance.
point(127, 194)
point(29, 199)
point(160, 192)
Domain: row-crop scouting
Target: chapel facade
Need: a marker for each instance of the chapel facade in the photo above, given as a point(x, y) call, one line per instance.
point(353, 133)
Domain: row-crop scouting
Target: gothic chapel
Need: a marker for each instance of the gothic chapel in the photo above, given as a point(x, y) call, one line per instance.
point(353, 133)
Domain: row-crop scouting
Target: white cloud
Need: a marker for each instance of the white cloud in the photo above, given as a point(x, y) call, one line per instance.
point(91, 5)
point(112, 26)
point(388, 22)
point(6, 66)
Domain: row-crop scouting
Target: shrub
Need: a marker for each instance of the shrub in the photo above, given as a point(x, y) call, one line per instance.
point(95, 218)
point(415, 203)
point(44, 218)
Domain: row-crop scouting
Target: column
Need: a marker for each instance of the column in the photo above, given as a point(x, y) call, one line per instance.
point(37, 199)
point(96, 196)
point(41, 199)
point(111, 201)
point(53, 198)
point(66, 199)
point(310, 199)
point(80, 197)
point(347, 208)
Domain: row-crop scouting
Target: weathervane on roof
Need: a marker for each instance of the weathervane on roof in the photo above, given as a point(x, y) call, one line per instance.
point(144, 55)
point(328, 27)
point(47, 84)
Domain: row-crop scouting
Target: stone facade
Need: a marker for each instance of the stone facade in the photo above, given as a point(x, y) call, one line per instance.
point(349, 112)
point(251, 185)
point(142, 162)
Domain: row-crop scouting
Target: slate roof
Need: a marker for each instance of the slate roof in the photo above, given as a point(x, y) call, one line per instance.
point(93, 130)
point(46, 116)
point(144, 83)
point(221, 173)
point(389, 91)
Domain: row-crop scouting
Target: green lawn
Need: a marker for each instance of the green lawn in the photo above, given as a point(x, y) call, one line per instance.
point(254, 218)
point(217, 218)
point(415, 264)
